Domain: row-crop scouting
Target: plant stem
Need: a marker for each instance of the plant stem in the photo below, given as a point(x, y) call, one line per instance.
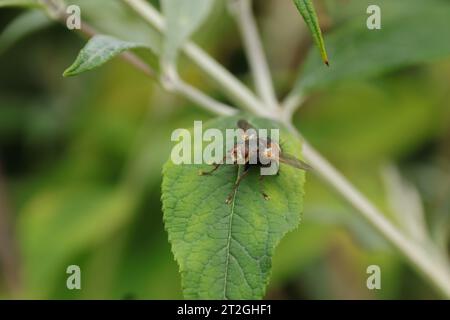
point(178, 86)
point(291, 104)
point(201, 99)
point(240, 94)
point(242, 10)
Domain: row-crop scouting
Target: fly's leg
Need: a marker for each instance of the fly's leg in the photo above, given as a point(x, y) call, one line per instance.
point(236, 185)
point(207, 173)
point(216, 166)
point(261, 188)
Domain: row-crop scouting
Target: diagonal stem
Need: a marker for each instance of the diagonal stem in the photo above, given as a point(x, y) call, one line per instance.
point(291, 104)
point(242, 10)
point(177, 85)
point(240, 94)
point(426, 262)
point(172, 83)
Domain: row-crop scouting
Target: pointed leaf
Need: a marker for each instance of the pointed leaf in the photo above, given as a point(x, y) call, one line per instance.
point(224, 251)
point(306, 9)
point(412, 32)
point(99, 50)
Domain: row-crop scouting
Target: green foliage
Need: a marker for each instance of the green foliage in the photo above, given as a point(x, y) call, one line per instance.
point(183, 18)
point(84, 181)
point(306, 9)
point(99, 50)
point(225, 250)
point(25, 24)
point(19, 3)
point(75, 218)
point(360, 53)
point(375, 124)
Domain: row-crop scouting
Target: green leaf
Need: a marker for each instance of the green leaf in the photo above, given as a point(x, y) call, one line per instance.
point(306, 9)
point(183, 18)
point(224, 251)
point(99, 50)
point(25, 24)
point(412, 33)
point(19, 3)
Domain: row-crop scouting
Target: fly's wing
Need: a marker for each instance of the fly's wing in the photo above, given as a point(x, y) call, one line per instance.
point(294, 162)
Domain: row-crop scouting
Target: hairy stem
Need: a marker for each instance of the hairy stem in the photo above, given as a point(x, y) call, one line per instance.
point(234, 88)
point(242, 10)
point(172, 83)
point(291, 104)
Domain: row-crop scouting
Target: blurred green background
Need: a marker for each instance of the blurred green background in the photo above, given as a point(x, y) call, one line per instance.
point(81, 160)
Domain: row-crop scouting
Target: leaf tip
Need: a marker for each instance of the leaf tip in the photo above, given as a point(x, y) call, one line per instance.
point(68, 72)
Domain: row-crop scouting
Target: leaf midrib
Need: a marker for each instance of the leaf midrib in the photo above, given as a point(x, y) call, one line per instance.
point(227, 261)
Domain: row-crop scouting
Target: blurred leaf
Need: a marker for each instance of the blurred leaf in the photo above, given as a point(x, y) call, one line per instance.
point(433, 181)
point(19, 3)
point(362, 123)
point(25, 24)
point(183, 18)
point(306, 9)
point(58, 224)
point(411, 36)
point(406, 204)
point(326, 208)
point(340, 273)
point(147, 270)
point(99, 50)
point(298, 249)
point(224, 251)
